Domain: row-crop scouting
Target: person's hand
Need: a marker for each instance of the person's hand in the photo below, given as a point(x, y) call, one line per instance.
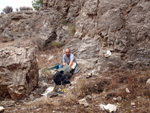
point(64, 64)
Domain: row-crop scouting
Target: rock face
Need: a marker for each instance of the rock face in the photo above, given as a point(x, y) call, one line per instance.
point(100, 25)
point(18, 72)
point(89, 28)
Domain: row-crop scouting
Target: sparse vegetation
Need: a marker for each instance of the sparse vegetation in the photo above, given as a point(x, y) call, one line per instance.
point(17, 9)
point(72, 29)
point(37, 4)
point(77, 92)
point(56, 44)
point(64, 22)
point(8, 9)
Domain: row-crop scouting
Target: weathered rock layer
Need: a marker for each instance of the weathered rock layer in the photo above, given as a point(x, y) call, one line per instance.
point(18, 72)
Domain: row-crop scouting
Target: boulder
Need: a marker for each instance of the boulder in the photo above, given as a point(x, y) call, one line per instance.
point(18, 72)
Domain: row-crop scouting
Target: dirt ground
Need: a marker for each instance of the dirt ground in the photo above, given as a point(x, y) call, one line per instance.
point(106, 88)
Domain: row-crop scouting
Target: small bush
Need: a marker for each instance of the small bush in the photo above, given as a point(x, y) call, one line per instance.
point(17, 9)
point(8, 9)
point(64, 22)
point(37, 4)
point(56, 44)
point(72, 29)
point(25, 8)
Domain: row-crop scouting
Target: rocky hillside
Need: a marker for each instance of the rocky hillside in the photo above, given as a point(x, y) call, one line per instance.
point(91, 29)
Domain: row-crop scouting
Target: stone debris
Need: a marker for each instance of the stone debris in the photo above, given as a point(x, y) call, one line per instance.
point(88, 75)
point(109, 108)
point(117, 99)
point(108, 54)
point(83, 102)
point(132, 103)
point(1, 109)
point(52, 94)
point(48, 90)
point(91, 73)
point(50, 58)
point(88, 97)
point(127, 90)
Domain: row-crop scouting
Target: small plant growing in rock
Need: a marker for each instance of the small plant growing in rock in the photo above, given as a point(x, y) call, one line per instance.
point(64, 22)
point(8, 9)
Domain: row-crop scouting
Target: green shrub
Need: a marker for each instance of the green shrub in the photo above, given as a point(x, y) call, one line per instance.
point(8, 9)
point(37, 4)
point(56, 44)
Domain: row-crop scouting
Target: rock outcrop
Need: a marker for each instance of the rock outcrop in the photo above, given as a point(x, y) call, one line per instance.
point(89, 28)
point(18, 72)
point(100, 25)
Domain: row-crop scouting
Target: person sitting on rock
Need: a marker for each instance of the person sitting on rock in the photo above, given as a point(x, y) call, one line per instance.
point(69, 59)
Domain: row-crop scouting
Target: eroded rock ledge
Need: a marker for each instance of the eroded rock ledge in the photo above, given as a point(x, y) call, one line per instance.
point(18, 72)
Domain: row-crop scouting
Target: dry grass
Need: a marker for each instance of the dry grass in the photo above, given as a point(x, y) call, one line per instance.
point(74, 94)
point(135, 81)
point(72, 29)
point(44, 62)
point(37, 102)
point(78, 91)
point(96, 87)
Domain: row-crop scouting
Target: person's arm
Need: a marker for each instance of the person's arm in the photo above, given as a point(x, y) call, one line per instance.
point(64, 63)
point(71, 63)
point(71, 60)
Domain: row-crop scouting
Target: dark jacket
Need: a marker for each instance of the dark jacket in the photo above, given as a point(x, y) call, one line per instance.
point(60, 78)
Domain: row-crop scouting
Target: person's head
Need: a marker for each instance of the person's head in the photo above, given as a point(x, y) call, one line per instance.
point(67, 52)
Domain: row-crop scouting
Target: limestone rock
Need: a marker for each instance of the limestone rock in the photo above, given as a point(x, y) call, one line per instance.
point(18, 72)
point(8, 103)
point(1, 109)
point(52, 94)
point(127, 90)
point(109, 108)
point(132, 104)
point(83, 102)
